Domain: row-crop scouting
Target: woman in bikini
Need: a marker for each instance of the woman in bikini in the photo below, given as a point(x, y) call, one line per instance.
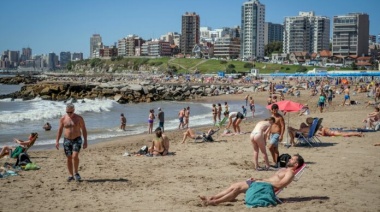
point(258, 137)
point(214, 113)
point(151, 118)
point(327, 132)
point(219, 111)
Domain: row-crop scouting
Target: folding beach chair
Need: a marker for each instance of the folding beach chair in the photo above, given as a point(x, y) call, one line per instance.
point(315, 138)
point(301, 138)
point(297, 176)
point(222, 122)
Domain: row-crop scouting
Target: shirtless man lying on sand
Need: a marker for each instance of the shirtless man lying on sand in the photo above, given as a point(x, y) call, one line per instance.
point(279, 180)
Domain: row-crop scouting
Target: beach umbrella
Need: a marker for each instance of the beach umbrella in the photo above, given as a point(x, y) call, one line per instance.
point(287, 106)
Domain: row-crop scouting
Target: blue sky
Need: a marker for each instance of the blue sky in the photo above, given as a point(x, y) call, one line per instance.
point(67, 25)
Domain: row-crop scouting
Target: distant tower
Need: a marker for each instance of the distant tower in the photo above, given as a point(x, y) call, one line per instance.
point(190, 32)
point(252, 30)
point(95, 43)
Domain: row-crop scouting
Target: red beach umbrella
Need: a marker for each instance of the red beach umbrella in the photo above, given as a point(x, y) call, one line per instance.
point(287, 106)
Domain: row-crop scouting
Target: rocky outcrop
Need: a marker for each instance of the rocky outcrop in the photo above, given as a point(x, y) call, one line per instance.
point(131, 93)
point(18, 80)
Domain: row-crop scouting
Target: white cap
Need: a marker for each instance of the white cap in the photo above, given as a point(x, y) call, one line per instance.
point(159, 108)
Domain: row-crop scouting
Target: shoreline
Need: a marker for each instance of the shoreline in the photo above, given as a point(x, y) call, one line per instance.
point(340, 168)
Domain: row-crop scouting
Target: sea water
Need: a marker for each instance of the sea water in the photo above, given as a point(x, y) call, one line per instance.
point(19, 118)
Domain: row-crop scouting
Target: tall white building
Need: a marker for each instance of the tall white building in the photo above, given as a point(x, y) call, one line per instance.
point(306, 33)
point(252, 29)
point(95, 43)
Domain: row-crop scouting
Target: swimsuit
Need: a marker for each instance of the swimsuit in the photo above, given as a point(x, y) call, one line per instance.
point(150, 121)
point(72, 145)
point(274, 139)
point(346, 96)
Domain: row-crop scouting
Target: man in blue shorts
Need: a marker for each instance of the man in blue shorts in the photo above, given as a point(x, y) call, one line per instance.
point(72, 126)
point(277, 132)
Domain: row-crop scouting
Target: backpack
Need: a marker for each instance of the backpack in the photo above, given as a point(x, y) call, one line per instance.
point(23, 159)
point(283, 159)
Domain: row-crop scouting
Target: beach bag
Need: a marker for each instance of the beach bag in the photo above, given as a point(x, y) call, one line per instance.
point(23, 159)
point(207, 138)
point(283, 159)
point(143, 150)
point(16, 152)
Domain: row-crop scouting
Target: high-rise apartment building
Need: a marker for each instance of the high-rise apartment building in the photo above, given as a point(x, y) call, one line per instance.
point(95, 43)
point(65, 58)
point(350, 34)
point(306, 33)
point(127, 46)
point(252, 30)
point(77, 56)
point(51, 63)
point(190, 32)
point(26, 54)
point(273, 32)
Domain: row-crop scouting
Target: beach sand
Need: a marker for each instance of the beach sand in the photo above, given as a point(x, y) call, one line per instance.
point(342, 174)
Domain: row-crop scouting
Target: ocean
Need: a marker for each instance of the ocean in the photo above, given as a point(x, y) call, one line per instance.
point(19, 118)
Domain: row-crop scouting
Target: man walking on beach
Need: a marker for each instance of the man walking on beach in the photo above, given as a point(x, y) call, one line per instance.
point(187, 117)
point(347, 96)
point(277, 132)
point(161, 119)
point(72, 126)
point(181, 114)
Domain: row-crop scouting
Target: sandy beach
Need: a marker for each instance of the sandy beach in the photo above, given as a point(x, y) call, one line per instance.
point(342, 174)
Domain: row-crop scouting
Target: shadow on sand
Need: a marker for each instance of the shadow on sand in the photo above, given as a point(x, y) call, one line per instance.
point(304, 199)
point(106, 180)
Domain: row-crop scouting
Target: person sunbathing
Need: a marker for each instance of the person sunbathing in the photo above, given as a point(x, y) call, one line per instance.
point(191, 134)
point(279, 180)
point(372, 118)
point(327, 132)
point(6, 150)
point(160, 144)
point(304, 129)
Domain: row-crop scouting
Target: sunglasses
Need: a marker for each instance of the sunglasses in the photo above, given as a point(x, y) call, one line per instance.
point(69, 112)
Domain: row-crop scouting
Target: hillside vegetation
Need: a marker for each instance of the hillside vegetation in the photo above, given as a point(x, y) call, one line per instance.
point(184, 65)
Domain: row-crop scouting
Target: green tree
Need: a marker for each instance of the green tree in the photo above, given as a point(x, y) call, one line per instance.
point(248, 65)
point(230, 68)
point(272, 47)
point(301, 69)
point(354, 66)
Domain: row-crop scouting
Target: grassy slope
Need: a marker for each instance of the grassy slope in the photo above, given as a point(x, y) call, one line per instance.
point(185, 65)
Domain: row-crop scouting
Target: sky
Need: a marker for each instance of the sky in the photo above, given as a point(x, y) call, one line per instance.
point(67, 25)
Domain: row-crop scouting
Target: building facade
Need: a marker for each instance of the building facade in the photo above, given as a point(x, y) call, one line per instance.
point(127, 46)
point(273, 32)
point(190, 34)
point(350, 34)
point(64, 59)
point(95, 43)
point(227, 47)
point(77, 56)
point(306, 33)
point(26, 54)
point(252, 30)
point(156, 48)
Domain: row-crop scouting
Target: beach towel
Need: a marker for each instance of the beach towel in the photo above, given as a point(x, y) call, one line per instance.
point(260, 194)
point(17, 151)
